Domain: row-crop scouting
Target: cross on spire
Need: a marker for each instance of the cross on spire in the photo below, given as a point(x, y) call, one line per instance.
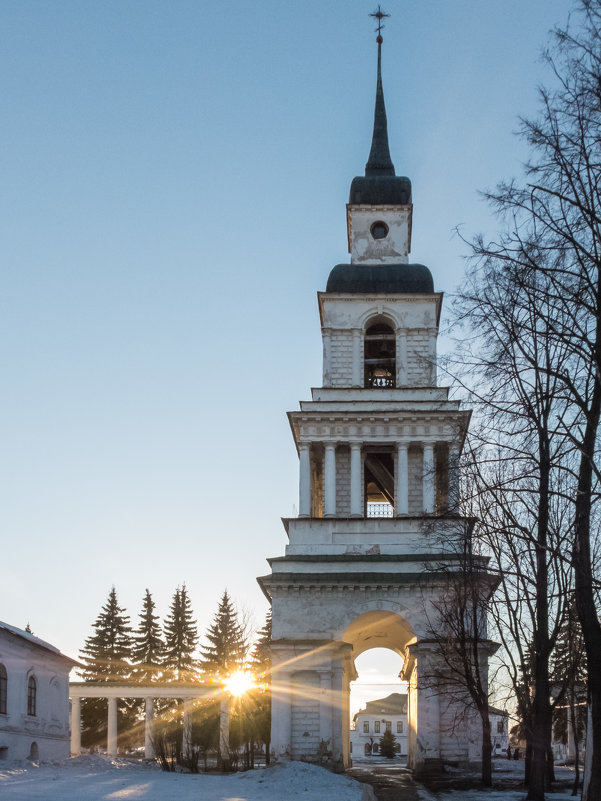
point(379, 15)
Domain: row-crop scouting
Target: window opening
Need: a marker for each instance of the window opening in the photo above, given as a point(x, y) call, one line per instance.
point(380, 357)
point(366, 727)
point(379, 230)
point(3, 689)
point(31, 696)
point(379, 485)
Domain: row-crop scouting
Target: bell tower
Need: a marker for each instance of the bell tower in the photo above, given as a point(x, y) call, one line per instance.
point(378, 447)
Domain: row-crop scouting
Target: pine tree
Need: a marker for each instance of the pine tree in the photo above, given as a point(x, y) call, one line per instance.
point(148, 646)
point(106, 656)
point(107, 651)
point(260, 660)
point(227, 645)
point(181, 636)
point(260, 663)
point(387, 744)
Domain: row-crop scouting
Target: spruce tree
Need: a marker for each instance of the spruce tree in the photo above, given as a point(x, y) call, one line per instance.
point(387, 744)
point(260, 659)
point(260, 663)
point(106, 656)
point(148, 646)
point(107, 651)
point(226, 647)
point(181, 636)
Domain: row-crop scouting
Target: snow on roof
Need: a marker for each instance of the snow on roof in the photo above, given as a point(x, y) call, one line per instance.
point(393, 704)
point(25, 635)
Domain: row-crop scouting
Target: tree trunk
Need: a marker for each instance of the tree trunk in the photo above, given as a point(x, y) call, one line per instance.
point(486, 750)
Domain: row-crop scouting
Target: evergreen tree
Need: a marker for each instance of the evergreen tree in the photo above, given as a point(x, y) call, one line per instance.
point(260, 663)
point(387, 744)
point(148, 646)
point(107, 651)
point(106, 656)
point(260, 660)
point(181, 636)
point(227, 645)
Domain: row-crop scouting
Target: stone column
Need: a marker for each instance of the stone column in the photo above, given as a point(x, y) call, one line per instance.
point(281, 715)
point(401, 357)
point(356, 483)
point(148, 727)
point(327, 357)
point(329, 480)
point(402, 479)
point(75, 726)
point(325, 708)
point(304, 467)
point(428, 479)
point(111, 734)
point(453, 471)
point(432, 337)
point(187, 728)
point(357, 380)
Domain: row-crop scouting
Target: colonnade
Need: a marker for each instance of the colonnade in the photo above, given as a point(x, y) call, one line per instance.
point(187, 694)
point(428, 479)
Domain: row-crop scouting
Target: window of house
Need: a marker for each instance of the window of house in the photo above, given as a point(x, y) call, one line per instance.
point(3, 689)
point(32, 692)
point(375, 748)
point(500, 728)
point(399, 727)
point(366, 727)
point(380, 356)
point(377, 726)
point(388, 725)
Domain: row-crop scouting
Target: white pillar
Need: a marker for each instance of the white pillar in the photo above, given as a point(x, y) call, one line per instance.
point(111, 733)
point(401, 357)
point(432, 337)
point(357, 372)
point(356, 488)
point(148, 728)
point(453, 471)
point(325, 707)
point(327, 357)
point(224, 732)
point(75, 726)
point(281, 715)
point(428, 479)
point(304, 502)
point(402, 479)
point(187, 728)
point(329, 480)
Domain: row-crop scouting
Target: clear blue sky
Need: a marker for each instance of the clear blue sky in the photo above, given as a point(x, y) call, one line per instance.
point(174, 180)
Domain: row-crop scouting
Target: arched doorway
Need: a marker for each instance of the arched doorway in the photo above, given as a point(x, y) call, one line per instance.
point(370, 631)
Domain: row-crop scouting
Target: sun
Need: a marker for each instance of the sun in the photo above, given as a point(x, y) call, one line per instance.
point(239, 683)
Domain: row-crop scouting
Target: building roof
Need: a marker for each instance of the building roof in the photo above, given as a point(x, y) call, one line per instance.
point(381, 278)
point(393, 704)
point(33, 640)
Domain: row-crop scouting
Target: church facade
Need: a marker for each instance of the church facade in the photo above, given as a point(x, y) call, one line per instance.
point(378, 445)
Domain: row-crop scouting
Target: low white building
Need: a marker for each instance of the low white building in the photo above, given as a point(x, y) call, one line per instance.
point(370, 724)
point(499, 730)
point(34, 697)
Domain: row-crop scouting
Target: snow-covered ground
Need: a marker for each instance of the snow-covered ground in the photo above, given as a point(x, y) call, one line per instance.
point(99, 778)
point(96, 778)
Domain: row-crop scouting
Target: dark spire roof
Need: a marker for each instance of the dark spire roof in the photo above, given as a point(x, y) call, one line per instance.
point(379, 162)
point(380, 186)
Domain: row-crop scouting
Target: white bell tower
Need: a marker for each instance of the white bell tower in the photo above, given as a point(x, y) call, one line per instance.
point(378, 447)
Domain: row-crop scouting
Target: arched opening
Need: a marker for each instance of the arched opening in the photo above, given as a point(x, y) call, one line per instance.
point(379, 356)
point(378, 699)
point(378, 703)
point(3, 689)
point(32, 692)
point(34, 752)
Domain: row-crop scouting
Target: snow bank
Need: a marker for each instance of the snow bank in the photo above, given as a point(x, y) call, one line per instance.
point(97, 778)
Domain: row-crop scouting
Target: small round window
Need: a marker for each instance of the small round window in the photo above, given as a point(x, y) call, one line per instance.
point(379, 230)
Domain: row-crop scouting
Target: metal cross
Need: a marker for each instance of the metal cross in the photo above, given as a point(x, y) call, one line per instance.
point(379, 15)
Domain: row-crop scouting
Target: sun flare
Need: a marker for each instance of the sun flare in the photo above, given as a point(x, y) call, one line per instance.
point(239, 683)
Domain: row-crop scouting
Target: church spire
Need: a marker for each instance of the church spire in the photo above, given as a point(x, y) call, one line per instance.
point(379, 162)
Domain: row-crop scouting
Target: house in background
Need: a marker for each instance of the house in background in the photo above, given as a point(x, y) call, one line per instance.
point(499, 730)
point(369, 725)
point(34, 697)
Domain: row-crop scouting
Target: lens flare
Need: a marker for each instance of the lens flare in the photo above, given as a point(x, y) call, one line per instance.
point(239, 683)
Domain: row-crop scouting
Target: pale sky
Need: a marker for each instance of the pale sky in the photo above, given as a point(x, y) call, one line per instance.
point(174, 180)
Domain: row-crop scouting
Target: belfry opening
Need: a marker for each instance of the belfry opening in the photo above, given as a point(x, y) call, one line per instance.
point(378, 445)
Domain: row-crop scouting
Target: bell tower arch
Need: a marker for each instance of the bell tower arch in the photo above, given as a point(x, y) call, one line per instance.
point(378, 447)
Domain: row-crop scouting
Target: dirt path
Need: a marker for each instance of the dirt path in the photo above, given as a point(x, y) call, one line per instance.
point(389, 782)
